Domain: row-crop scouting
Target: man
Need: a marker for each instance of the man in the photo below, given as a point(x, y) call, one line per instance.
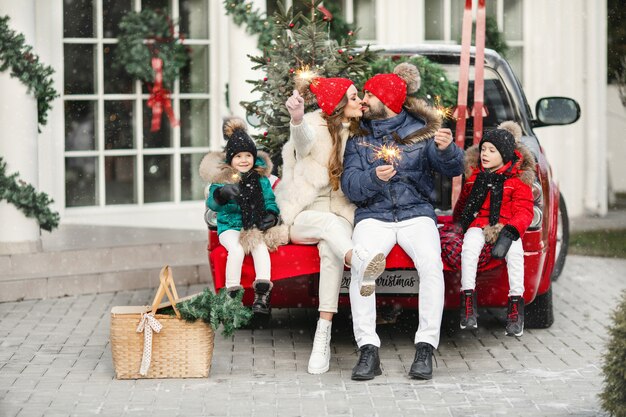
point(393, 206)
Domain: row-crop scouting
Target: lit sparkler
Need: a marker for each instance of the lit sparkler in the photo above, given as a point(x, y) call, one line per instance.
point(305, 73)
point(445, 112)
point(390, 153)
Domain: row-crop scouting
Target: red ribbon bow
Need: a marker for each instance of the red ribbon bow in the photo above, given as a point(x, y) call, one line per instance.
point(160, 98)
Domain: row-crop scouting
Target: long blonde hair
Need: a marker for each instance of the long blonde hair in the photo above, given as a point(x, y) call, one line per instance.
point(335, 126)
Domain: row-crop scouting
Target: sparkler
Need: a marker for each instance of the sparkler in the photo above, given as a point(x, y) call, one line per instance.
point(390, 153)
point(305, 73)
point(445, 112)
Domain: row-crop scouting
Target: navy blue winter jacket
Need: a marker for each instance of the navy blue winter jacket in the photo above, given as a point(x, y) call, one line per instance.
point(407, 194)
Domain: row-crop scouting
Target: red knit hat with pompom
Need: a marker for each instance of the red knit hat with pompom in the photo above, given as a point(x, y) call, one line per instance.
point(388, 88)
point(329, 92)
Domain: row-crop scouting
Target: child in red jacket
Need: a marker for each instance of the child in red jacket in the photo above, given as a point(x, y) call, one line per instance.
point(496, 207)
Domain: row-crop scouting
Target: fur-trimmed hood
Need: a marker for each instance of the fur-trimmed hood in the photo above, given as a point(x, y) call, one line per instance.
point(214, 169)
point(524, 167)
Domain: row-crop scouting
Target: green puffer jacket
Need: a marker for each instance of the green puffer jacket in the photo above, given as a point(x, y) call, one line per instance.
point(218, 173)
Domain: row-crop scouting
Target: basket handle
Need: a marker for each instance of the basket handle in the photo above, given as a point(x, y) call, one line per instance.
point(167, 281)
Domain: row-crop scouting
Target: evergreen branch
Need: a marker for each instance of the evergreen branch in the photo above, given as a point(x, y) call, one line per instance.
point(25, 66)
point(255, 23)
point(27, 199)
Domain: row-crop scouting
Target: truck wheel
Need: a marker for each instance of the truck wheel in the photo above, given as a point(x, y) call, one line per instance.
point(539, 314)
point(562, 240)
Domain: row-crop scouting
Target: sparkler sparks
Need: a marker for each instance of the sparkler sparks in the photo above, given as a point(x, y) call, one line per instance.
point(445, 112)
point(390, 153)
point(305, 73)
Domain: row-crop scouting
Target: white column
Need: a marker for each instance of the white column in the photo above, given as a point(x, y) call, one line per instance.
point(18, 137)
point(240, 45)
point(596, 193)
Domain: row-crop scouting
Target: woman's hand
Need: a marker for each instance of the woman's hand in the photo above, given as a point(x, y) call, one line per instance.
point(295, 106)
point(385, 172)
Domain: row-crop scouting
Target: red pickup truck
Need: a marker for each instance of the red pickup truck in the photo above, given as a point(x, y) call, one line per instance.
point(295, 268)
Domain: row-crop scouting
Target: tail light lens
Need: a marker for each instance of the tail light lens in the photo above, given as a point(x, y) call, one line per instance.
point(537, 205)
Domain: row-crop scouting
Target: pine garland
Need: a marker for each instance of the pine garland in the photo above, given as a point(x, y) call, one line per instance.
point(613, 396)
point(25, 66)
point(215, 309)
point(255, 22)
point(27, 199)
point(145, 35)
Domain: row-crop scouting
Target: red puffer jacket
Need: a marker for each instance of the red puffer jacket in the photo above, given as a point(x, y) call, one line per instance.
point(517, 197)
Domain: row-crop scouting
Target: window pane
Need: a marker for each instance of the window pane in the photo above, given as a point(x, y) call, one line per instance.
point(194, 123)
point(112, 13)
point(162, 138)
point(80, 64)
point(194, 19)
point(434, 20)
point(118, 124)
point(156, 4)
point(513, 20)
point(192, 186)
point(456, 19)
point(365, 18)
point(116, 81)
point(78, 19)
point(80, 125)
point(157, 177)
point(80, 182)
point(120, 179)
point(195, 77)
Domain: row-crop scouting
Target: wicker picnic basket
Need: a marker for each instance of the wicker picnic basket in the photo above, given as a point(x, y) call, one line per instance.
point(146, 344)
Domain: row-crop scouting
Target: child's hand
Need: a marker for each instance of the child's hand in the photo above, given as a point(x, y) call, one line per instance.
point(507, 235)
point(443, 138)
point(226, 193)
point(295, 106)
point(270, 220)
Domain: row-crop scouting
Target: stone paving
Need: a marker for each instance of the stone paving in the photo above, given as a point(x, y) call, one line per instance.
point(55, 360)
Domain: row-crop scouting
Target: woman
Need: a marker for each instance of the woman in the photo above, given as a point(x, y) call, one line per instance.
point(312, 205)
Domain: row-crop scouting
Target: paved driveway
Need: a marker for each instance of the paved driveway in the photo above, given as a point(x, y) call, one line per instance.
point(55, 361)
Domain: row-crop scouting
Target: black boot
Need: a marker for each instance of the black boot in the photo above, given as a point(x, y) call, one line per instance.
point(233, 291)
point(422, 367)
point(515, 316)
point(469, 318)
point(262, 295)
point(368, 365)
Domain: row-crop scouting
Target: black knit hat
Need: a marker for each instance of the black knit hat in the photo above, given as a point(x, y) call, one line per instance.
point(504, 142)
point(238, 139)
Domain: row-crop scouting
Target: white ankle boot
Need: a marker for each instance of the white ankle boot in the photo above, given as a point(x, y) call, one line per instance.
point(319, 362)
point(368, 267)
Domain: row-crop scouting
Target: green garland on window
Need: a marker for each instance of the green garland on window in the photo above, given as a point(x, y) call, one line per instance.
point(25, 66)
point(255, 22)
point(27, 199)
point(145, 35)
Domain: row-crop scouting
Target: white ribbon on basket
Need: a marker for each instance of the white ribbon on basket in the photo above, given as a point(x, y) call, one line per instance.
point(147, 324)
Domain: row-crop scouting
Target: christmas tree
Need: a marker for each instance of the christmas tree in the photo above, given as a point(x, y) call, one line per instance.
point(302, 48)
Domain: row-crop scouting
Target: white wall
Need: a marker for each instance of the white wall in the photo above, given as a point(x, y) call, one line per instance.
point(565, 55)
point(616, 131)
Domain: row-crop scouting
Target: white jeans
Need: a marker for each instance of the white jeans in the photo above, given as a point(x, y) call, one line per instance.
point(473, 243)
point(332, 235)
point(261, 256)
point(419, 238)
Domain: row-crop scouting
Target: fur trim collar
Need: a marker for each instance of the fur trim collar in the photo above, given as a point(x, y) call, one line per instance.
point(524, 168)
point(421, 110)
point(213, 169)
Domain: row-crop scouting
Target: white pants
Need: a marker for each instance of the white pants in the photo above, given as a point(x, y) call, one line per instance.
point(419, 238)
point(473, 243)
point(332, 235)
point(261, 256)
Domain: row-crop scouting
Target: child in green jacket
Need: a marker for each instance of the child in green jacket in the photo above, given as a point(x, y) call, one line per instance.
point(242, 196)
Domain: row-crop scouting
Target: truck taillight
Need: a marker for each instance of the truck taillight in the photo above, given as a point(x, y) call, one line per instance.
point(537, 206)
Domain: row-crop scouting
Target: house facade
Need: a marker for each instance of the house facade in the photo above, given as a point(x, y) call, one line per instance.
point(100, 161)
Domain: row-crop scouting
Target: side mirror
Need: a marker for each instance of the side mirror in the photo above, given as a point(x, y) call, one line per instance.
point(553, 111)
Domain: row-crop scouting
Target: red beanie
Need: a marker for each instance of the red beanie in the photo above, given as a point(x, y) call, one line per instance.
point(329, 92)
point(389, 88)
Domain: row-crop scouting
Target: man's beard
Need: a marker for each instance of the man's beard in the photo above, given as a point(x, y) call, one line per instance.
point(375, 113)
